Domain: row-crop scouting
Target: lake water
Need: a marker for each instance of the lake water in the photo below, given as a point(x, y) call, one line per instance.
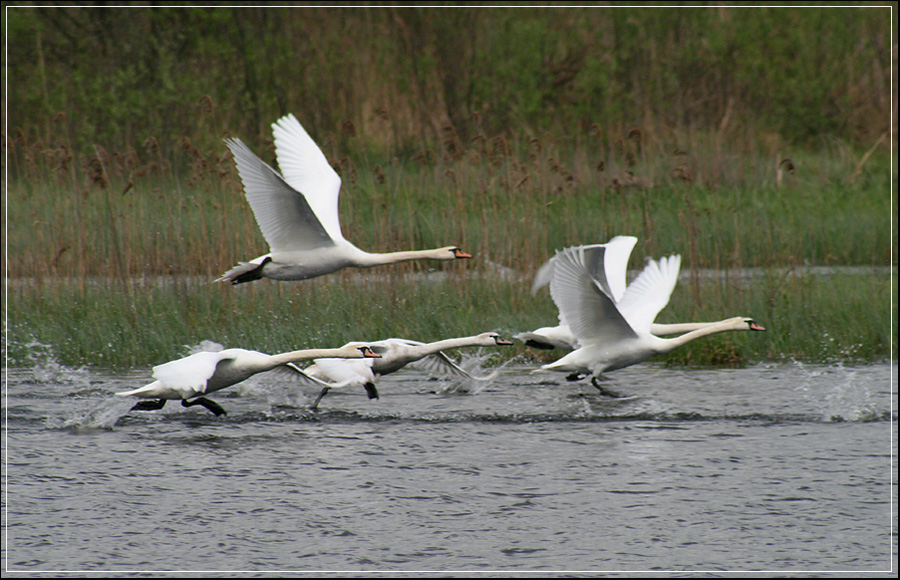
point(785, 468)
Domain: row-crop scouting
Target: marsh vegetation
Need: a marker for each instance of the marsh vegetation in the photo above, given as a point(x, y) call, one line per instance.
point(122, 211)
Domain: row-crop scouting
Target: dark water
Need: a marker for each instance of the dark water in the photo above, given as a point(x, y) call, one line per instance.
point(776, 468)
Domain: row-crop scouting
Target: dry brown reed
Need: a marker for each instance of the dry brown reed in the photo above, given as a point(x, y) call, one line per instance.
point(512, 201)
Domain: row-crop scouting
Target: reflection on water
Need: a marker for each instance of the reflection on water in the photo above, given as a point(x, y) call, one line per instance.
point(773, 467)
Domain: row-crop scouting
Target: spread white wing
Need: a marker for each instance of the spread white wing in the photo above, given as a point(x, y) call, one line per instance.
point(591, 314)
point(284, 215)
point(306, 169)
point(649, 293)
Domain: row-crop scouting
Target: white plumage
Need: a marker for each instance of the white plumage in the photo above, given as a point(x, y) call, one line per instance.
point(612, 335)
point(202, 373)
point(297, 212)
point(395, 354)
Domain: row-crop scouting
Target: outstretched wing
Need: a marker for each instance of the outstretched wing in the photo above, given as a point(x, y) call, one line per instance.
point(307, 377)
point(543, 276)
point(591, 314)
point(441, 364)
point(190, 375)
point(283, 214)
point(306, 169)
point(649, 293)
point(606, 263)
point(613, 266)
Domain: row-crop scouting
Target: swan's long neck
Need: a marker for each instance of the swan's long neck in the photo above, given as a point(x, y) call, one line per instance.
point(309, 354)
point(434, 347)
point(664, 329)
point(376, 259)
point(670, 344)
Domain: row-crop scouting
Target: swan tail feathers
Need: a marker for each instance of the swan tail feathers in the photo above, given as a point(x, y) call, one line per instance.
point(243, 272)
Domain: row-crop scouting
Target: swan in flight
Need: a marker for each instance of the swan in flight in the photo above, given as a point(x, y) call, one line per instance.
point(297, 212)
point(204, 372)
point(396, 353)
point(615, 334)
point(607, 264)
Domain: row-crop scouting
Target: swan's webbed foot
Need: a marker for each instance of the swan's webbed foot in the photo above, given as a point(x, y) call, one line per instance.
point(371, 391)
point(604, 391)
point(149, 405)
point(315, 405)
point(575, 377)
point(211, 405)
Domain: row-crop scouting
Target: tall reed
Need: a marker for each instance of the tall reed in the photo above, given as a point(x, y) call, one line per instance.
point(106, 250)
point(138, 323)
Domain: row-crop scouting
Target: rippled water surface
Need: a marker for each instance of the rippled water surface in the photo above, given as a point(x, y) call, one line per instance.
point(780, 468)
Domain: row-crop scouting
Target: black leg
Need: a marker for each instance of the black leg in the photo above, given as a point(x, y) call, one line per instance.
point(149, 405)
point(575, 377)
point(315, 404)
point(371, 390)
point(211, 405)
point(605, 392)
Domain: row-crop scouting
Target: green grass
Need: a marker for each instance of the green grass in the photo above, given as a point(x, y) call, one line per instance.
point(511, 133)
point(512, 209)
point(390, 80)
point(115, 268)
point(108, 323)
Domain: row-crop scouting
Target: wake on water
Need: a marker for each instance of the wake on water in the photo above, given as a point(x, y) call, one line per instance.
point(828, 393)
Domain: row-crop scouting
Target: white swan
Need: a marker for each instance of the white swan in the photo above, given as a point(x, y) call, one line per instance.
point(396, 353)
point(297, 212)
point(607, 264)
point(612, 335)
point(205, 372)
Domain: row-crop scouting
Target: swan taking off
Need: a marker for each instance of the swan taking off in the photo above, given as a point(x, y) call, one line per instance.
point(297, 212)
point(396, 353)
point(610, 334)
point(205, 372)
point(607, 264)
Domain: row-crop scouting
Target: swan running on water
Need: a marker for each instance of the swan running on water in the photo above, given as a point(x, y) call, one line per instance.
point(612, 335)
point(607, 264)
point(205, 372)
point(396, 353)
point(297, 212)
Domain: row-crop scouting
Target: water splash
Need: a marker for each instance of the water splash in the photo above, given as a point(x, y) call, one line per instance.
point(837, 393)
point(91, 415)
point(41, 361)
point(476, 364)
point(833, 351)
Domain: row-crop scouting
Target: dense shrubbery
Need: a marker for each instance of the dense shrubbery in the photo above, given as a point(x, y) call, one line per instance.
point(405, 80)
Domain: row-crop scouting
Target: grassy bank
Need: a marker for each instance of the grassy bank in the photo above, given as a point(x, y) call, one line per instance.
point(511, 203)
point(112, 263)
point(738, 137)
point(840, 317)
